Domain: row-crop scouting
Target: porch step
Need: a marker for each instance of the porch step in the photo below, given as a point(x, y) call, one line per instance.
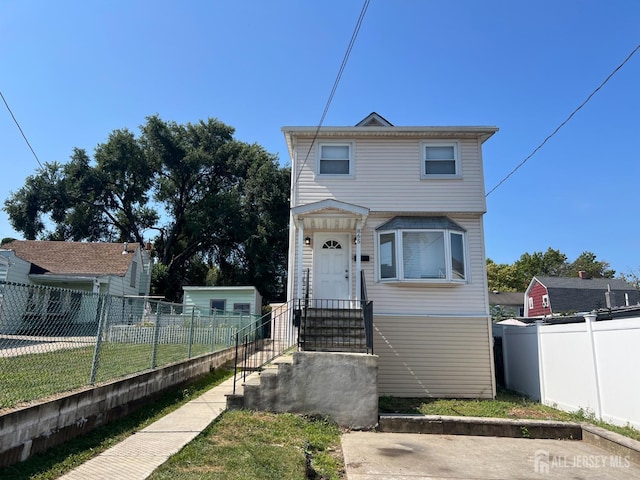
point(335, 322)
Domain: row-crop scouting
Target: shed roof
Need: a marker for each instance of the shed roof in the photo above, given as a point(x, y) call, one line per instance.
point(74, 258)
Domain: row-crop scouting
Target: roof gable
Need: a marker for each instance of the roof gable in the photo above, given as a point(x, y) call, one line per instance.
point(74, 258)
point(374, 120)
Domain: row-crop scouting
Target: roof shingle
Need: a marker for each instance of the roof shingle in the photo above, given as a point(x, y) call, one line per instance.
point(74, 258)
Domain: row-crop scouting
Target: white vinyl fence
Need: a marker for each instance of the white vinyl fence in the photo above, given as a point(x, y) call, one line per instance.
point(593, 366)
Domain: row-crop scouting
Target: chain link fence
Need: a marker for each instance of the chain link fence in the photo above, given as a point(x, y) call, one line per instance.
point(54, 340)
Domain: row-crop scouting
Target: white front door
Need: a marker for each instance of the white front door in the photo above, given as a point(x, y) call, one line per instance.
point(331, 266)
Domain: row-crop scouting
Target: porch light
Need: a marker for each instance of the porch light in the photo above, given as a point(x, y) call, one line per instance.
point(307, 241)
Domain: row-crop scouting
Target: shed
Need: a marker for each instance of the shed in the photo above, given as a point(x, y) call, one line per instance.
point(238, 299)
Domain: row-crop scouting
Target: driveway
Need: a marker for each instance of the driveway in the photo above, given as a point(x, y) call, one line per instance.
point(400, 456)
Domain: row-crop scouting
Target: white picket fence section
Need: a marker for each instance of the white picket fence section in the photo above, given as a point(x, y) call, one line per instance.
point(593, 366)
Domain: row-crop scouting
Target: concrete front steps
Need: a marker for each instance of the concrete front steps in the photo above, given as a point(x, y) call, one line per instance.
point(341, 386)
point(333, 331)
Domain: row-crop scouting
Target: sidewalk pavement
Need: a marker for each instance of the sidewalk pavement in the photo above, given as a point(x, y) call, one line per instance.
point(136, 457)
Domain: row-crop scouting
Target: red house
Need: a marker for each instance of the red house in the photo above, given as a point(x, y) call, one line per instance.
point(556, 295)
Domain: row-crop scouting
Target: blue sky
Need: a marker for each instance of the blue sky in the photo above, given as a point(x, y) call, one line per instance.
point(73, 71)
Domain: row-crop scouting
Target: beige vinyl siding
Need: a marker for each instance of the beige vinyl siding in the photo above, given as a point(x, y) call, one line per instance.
point(452, 299)
point(424, 356)
point(394, 166)
point(307, 264)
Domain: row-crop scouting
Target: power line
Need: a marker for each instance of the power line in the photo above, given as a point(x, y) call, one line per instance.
point(20, 128)
point(354, 35)
point(565, 121)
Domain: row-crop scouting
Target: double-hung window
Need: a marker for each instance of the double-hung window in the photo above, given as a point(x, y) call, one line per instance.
point(440, 160)
point(421, 249)
point(335, 159)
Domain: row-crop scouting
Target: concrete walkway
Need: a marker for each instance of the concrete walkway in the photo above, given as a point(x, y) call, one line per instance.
point(136, 457)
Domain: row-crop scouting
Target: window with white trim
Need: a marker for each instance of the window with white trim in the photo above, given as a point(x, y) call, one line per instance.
point(421, 249)
point(545, 301)
point(530, 303)
point(440, 160)
point(335, 159)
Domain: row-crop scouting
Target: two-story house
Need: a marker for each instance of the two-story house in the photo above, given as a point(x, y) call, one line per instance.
point(396, 214)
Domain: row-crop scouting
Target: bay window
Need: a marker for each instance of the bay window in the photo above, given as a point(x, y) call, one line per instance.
point(421, 249)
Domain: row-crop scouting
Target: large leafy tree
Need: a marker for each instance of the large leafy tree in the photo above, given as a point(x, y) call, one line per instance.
point(552, 263)
point(209, 202)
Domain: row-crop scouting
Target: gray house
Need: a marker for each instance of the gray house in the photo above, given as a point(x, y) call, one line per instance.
point(58, 283)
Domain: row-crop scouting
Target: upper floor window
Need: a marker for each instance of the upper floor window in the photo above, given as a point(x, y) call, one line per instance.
point(335, 159)
point(440, 160)
point(421, 249)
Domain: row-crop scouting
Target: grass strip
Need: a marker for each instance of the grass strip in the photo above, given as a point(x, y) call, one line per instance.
point(61, 459)
point(507, 404)
point(246, 445)
point(34, 376)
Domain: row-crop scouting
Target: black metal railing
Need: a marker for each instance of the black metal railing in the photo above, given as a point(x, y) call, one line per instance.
point(311, 324)
point(331, 325)
point(268, 338)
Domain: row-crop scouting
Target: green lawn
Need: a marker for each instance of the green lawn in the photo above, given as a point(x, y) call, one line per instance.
point(259, 445)
point(34, 376)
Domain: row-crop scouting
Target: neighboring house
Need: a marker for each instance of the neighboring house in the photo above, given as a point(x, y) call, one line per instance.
point(561, 295)
point(509, 303)
point(242, 299)
point(61, 273)
point(403, 206)
point(112, 268)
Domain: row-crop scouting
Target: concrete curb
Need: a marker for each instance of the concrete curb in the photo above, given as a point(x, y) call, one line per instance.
point(515, 428)
point(612, 442)
point(479, 426)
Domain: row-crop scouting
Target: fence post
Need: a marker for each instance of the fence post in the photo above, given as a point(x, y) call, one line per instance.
point(96, 351)
point(156, 335)
point(193, 311)
point(589, 318)
point(541, 379)
point(213, 332)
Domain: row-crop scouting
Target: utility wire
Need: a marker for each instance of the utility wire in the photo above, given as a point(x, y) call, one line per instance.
point(565, 121)
point(20, 128)
point(354, 35)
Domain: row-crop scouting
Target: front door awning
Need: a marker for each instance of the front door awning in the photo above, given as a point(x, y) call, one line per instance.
point(330, 215)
